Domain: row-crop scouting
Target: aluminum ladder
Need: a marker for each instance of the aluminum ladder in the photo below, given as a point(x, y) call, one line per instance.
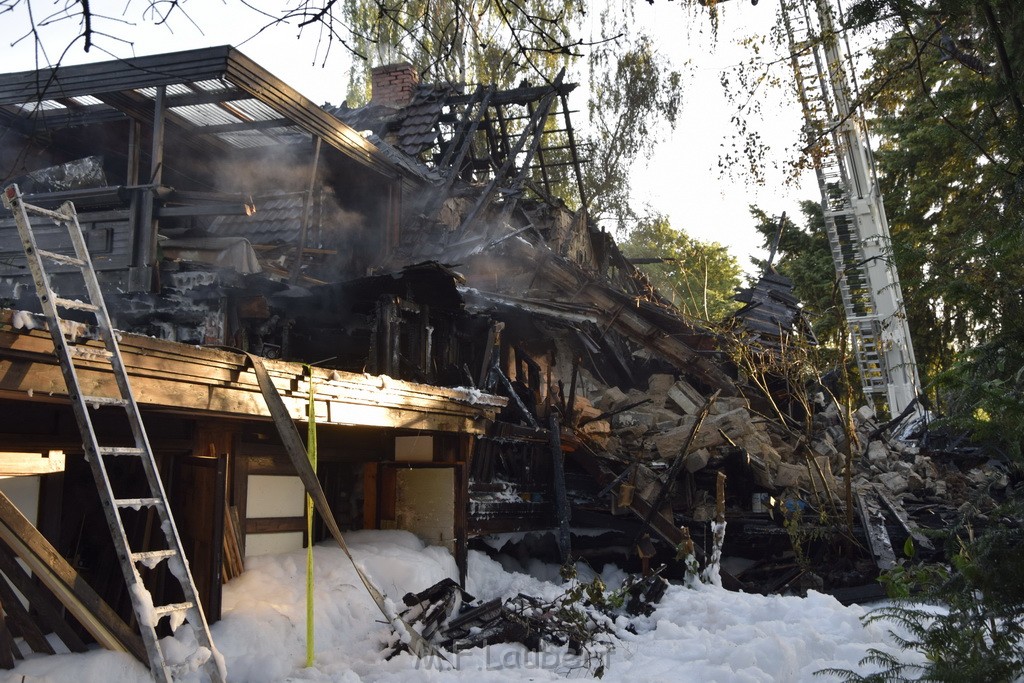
point(147, 614)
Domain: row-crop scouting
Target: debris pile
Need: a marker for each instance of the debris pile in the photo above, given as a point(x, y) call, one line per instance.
point(581, 620)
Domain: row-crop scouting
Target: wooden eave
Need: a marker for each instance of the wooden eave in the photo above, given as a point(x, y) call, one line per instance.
point(113, 81)
point(208, 382)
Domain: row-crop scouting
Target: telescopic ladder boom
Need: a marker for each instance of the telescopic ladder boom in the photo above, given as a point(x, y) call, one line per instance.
point(855, 220)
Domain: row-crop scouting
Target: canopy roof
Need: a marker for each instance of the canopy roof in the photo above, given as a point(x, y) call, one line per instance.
point(217, 94)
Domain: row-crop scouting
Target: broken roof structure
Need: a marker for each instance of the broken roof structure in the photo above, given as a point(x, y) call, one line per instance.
point(481, 359)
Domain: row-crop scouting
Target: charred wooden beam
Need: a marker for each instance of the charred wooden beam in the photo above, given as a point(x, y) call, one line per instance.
point(877, 535)
point(500, 175)
point(611, 413)
point(18, 464)
point(146, 225)
point(530, 107)
point(514, 397)
point(524, 94)
point(562, 511)
point(575, 154)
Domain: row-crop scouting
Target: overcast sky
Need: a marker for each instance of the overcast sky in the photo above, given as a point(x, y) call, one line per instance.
point(682, 179)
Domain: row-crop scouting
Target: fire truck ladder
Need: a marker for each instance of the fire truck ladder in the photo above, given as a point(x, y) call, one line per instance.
point(147, 614)
point(855, 220)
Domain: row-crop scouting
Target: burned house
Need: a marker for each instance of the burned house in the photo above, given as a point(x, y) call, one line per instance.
point(482, 360)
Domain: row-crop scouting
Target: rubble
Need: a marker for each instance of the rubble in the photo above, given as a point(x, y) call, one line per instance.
point(580, 619)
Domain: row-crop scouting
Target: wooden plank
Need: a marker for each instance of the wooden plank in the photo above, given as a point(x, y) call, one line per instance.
point(42, 602)
point(217, 541)
point(7, 646)
point(157, 358)
point(17, 464)
point(180, 376)
point(239, 495)
point(19, 617)
point(67, 585)
point(18, 378)
point(233, 563)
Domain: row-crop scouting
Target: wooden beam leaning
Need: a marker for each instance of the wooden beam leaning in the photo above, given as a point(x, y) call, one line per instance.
point(296, 450)
point(66, 584)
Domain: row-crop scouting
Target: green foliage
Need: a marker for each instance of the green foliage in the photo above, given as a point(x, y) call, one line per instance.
point(985, 394)
point(968, 618)
point(495, 42)
point(809, 536)
point(699, 278)
point(951, 162)
point(905, 579)
point(634, 96)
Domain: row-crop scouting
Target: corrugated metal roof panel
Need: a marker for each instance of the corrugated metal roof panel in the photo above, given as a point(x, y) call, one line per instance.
point(255, 109)
point(205, 114)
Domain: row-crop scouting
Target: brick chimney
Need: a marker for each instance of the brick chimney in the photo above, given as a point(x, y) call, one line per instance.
point(394, 84)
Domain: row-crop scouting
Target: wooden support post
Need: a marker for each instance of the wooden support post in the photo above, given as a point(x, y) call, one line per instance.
point(462, 509)
point(134, 152)
point(141, 277)
point(562, 510)
point(570, 405)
